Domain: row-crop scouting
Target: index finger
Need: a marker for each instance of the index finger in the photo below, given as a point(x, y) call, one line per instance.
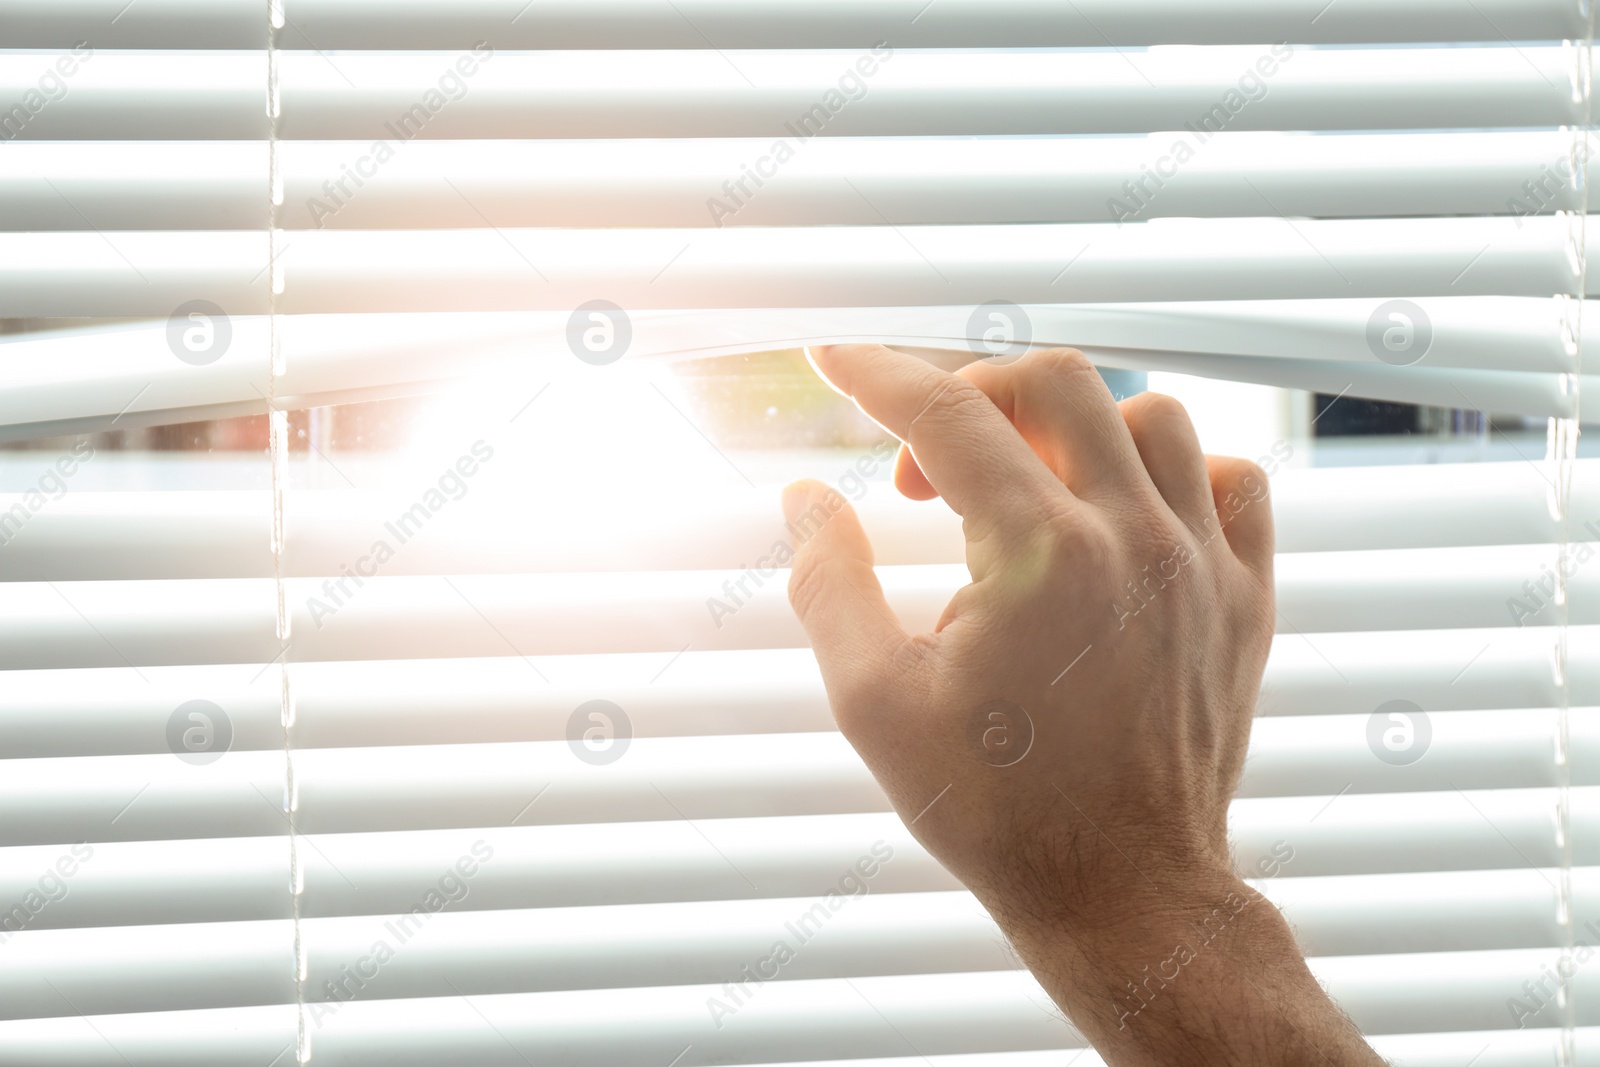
point(969, 450)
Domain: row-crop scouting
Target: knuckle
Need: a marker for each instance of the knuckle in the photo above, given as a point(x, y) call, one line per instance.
point(1169, 541)
point(1244, 481)
point(1080, 540)
point(1158, 408)
point(1062, 363)
point(957, 400)
point(1252, 477)
point(1065, 359)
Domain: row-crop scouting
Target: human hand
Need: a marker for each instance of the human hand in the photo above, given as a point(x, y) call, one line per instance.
point(1068, 738)
point(1111, 643)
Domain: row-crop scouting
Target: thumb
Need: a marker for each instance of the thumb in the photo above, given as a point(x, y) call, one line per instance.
point(836, 594)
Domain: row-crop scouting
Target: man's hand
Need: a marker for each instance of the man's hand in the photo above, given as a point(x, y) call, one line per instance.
point(1067, 740)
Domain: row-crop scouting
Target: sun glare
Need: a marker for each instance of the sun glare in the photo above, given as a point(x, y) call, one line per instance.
point(595, 451)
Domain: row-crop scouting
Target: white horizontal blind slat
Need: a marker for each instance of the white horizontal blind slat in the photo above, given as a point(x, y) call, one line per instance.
point(949, 1013)
point(415, 24)
point(233, 620)
point(664, 183)
point(552, 949)
point(1339, 915)
point(121, 711)
point(343, 790)
point(404, 787)
point(84, 536)
point(147, 273)
point(146, 882)
point(52, 543)
point(701, 93)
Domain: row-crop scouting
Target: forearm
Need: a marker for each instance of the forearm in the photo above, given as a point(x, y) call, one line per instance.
point(1216, 978)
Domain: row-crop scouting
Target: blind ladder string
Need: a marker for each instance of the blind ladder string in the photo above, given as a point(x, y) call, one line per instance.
point(278, 444)
point(1563, 446)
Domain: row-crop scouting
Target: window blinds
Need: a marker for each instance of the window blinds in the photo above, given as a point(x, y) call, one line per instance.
point(517, 795)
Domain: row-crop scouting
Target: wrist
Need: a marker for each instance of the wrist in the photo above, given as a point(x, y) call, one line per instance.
point(1110, 934)
point(1215, 949)
point(1123, 971)
point(1084, 890)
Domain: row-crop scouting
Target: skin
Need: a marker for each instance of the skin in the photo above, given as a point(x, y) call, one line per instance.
point(1100, 847)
